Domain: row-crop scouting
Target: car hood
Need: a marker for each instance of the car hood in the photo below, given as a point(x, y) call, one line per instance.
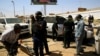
point(10, 26)
point(18, 23)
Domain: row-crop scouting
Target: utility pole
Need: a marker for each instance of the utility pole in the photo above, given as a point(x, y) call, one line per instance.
point(13, 6)
point(80, 3)
point(45, 9)
point(23, 11)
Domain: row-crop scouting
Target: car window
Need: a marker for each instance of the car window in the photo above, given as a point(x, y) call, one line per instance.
point(60, 19)
point(50, 19)
point(2, 21)
point(13, 20)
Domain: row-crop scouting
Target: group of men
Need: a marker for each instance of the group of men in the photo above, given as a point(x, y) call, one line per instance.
point(39, 33)
point(77, 30)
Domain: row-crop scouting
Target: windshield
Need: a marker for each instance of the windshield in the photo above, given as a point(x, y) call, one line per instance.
point(2, 21)
point(60, 19)
point(13, 20)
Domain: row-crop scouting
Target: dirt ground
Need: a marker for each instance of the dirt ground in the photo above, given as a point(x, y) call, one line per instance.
point(56, 49)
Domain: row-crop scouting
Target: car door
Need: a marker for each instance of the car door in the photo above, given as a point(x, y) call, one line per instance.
point(2, 25)
point(50, 21)
point(60, 21)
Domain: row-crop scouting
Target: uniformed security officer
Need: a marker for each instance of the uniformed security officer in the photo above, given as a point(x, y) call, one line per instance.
point(37, 37)
point(44, 33)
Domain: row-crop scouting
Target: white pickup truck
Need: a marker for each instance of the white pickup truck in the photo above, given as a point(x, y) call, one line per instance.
point(8, 23)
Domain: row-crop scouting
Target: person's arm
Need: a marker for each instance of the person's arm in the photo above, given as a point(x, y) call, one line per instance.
point(63, 28)
point(98, 30)
point(44, 24)
point(56, 28)
point(19, 39)
point(73, 27)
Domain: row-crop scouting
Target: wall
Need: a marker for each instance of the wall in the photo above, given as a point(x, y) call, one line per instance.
point(85, 14)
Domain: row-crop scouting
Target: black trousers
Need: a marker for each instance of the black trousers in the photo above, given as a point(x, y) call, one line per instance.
point(67, 38)
point(12, 49)
point(38, 47)
point(54, 35)
point(45, 44)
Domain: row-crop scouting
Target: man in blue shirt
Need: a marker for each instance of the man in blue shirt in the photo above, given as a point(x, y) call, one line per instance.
point(79, 34)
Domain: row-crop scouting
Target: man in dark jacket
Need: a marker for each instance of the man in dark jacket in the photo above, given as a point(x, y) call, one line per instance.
point(37, 35)
point(44, 36)
point(54, 30)
point(68, 29)
point(40, 35)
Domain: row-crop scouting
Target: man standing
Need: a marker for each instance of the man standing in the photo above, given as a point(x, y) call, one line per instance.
point(37, 35)
point(79, 34)
point(68, 29)
point(55, 30)
point(40, 35)
point(44, 33)
point(10, 39)
point(90, 30)
point(32, 23)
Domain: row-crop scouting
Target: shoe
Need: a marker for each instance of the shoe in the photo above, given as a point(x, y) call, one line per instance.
point(68, 47)
point(82, 51)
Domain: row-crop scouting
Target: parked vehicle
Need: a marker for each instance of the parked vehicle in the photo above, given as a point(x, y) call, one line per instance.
point(50, 20)
point(8, 23)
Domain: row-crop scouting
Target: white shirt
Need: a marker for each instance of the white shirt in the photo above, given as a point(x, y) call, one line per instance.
point(9, 36)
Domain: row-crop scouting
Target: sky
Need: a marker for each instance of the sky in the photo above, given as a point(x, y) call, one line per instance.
point(24, 7)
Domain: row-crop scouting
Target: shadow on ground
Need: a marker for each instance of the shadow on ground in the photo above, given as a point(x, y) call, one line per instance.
point(56, 53)
point(91, 53)
point(1, 47)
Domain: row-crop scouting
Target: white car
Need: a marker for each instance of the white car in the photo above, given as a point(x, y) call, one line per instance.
point(8, 23)
point(51, 20)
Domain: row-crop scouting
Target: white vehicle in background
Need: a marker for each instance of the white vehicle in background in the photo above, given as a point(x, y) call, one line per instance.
point(8, 23)
point(50, 21)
